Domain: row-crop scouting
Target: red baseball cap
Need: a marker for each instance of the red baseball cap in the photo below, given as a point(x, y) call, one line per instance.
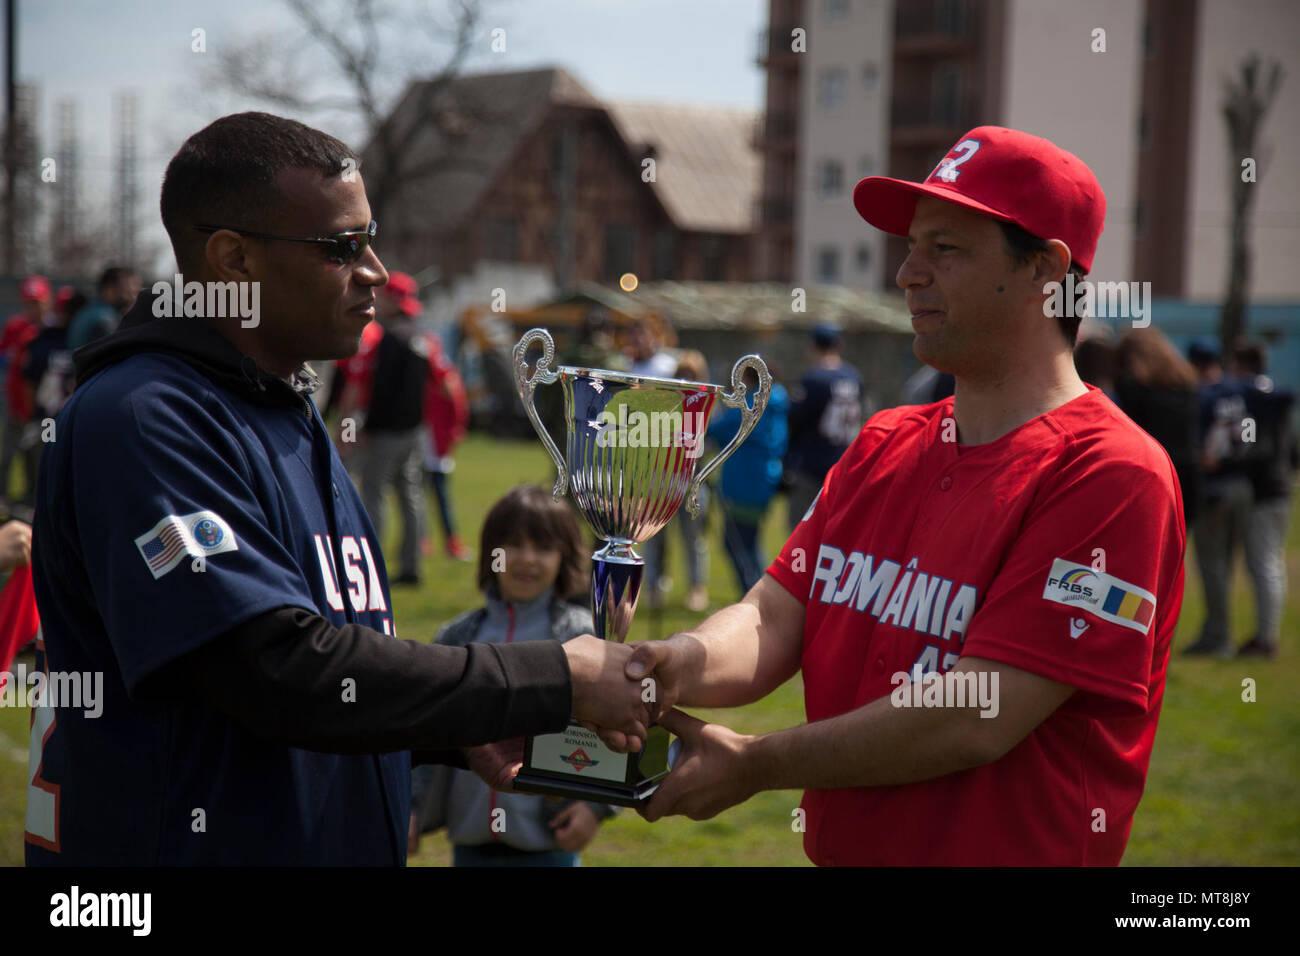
point(35, 288)
point(401, 285)
point(402, 288)
point(1004, 174)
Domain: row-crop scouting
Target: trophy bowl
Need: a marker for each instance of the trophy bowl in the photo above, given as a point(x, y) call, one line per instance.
point(632, 450)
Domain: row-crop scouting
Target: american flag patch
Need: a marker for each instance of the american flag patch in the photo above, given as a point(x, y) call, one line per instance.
point(177, 537)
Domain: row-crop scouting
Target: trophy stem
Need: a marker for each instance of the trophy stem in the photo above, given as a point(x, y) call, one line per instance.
point(616, 572)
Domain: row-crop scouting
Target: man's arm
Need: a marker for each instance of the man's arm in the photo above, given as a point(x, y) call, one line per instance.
point(282, 676)
point(736, 656)
point(878, 744)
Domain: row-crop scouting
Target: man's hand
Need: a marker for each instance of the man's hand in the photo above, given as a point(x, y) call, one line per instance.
point(15, 545)
point(711, 772)
point(574, 826)
point(604, 699)
point(498, 763)
point(668, 661)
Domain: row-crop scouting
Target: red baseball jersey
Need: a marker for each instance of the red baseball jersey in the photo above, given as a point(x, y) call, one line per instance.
point(1056, 549)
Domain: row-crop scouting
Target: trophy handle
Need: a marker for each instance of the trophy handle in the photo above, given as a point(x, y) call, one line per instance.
point(543, 374)
point(749, 416)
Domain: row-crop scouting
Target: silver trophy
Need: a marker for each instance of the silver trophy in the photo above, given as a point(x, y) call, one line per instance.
point(633, 444)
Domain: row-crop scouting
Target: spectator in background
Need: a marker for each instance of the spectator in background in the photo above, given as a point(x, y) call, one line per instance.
point(47, 361)
point(1095, 361)
point(544, 563)
point(751, 476)
point(446, 416)
point(645, 352)
point(117, 291)
point(1156, 387)
point(594, 345)
point(18, 333)
point(394, 418)
point(825, 418)
point(1221, 528)
point(690, 367)
point(48, 378)
point(349, 396)
point(20, 621)
point(1272, 473)
point(15, 547)
point(19, 618)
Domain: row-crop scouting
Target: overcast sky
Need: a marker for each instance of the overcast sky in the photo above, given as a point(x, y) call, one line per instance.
point(87, 51)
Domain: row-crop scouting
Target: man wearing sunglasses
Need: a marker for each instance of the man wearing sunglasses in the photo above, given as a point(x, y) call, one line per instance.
point(199, 544)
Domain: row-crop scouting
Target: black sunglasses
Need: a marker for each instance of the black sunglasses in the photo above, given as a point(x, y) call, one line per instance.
point(345, 247)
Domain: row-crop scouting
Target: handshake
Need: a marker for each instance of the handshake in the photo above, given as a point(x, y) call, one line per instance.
point(621, 690)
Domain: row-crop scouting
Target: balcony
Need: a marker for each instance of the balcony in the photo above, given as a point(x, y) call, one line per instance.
point(775, 211)
point(932, 121)
point(935, 28)
point(776, 128)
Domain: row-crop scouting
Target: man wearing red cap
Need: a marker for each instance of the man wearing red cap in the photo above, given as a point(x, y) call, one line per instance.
point(395, 412)
point(981, 599)
point(18, 333)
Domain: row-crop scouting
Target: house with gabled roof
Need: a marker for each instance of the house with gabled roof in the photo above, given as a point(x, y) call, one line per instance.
point(532, 168)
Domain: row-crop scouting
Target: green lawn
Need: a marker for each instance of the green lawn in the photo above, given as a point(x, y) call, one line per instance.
point(1220, 790)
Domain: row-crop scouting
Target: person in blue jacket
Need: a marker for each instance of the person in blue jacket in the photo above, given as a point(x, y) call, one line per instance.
point(750, 477)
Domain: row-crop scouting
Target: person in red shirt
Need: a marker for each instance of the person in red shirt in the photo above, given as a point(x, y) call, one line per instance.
point(18, 332)
point(982, 597)
point(446, 418)
point(19, 617)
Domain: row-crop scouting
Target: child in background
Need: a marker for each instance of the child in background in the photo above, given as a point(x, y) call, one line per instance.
point(531, 558)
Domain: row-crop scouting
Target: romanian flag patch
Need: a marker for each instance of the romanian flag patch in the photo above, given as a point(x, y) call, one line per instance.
point(1104, 595)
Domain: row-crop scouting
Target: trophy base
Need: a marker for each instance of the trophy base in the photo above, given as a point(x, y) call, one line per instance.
point(618, 795)
point(576, 764)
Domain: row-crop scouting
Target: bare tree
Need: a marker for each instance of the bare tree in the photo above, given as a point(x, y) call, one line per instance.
point(1247, 98)
point(377, 51)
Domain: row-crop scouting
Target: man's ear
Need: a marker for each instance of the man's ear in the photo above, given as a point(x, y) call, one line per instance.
point(1052, 263)
point(226, 255)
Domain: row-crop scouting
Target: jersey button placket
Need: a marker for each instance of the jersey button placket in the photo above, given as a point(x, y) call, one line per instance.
point(945, 483)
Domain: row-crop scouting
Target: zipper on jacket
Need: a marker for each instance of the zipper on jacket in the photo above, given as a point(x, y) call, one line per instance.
point(492, 794)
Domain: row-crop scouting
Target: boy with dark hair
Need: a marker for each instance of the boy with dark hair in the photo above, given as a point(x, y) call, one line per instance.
point(531, 563)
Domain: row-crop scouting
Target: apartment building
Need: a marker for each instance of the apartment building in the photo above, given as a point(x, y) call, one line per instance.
point(1134, 87)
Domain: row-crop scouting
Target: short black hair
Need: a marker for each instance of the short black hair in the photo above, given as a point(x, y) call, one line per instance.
point(224, 175)
point(1022, 246)
point(114, 274)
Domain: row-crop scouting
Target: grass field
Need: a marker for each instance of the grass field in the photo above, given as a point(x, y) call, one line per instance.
point(1221, 788)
